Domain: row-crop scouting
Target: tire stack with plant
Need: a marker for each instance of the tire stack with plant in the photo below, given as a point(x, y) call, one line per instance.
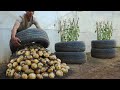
point(103, 47)
point(34, 61)
point(69, 50)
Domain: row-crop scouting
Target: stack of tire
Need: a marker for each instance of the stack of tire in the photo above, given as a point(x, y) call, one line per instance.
point(71, 52)
point(104, 49)
point(31, 36)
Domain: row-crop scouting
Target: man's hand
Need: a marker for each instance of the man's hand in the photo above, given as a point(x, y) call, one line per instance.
point(16, 41)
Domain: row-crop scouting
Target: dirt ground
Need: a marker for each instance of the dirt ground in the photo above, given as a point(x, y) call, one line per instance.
point(94, 68)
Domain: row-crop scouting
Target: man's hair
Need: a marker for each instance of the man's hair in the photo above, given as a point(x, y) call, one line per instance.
point(31, 11)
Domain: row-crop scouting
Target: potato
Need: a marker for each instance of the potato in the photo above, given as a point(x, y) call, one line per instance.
point(21, 57)
point(64, 70)
point(25, 58)
point(51, 75)
point(58, 60)
point(58, 67)
point(9, 65)
point(36, 49)
point(39, 76)
point(22, 51)
point(40, 65)
point(19, 52)
point(12, 60)
point(24, 76)
point(53, 57)
point(43, 61)
point(45, 74)
point(51, 63)
point(49, 52)
point(34, 66)
point(32, 76)
point(55, 62)
point(40, 53)
point(35, 61)
point(47, 60)
point(15, 64)
point(18, 60)
point(59, 73)
point(37, 71)
point(32, 71)
point(28, 71)
point(28, 62)
point(53, 67)
point(25, 67)
point(46, 55)
point(29, 57)
point(18, 68)
point(43, 69)
point(42, 49)
point(50, 70)
point(10, 72)
point(35, 56)
point(67, 67)
point(27, 53)
point(17, 76)
point(64, 64)
point(32, 50)
point(22, 63)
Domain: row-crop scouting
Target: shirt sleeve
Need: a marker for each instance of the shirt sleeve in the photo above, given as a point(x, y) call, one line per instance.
point(36, 23)
point(19, 19)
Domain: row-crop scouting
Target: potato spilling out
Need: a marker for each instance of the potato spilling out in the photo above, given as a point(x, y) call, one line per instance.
point(35, 62)
point(32, 76)
point(24, 76)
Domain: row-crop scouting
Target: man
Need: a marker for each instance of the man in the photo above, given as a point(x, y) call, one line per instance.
point(23, 22)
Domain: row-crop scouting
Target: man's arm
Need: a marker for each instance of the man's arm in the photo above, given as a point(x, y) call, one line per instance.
point(14, 39)
point(15, 28)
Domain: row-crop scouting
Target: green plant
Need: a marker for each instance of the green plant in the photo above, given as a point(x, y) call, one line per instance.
point(69, 29)
point(104, 30)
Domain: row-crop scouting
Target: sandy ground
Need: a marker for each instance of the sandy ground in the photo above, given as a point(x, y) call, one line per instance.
point(94, 68)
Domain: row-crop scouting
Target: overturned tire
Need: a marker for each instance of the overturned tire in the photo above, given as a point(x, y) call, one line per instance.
point(71, 46)
point(103, 44)
point(72, 57)
point(103, 53)
point(31, 35)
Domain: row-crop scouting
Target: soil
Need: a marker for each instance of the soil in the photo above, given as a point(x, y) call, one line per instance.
point(94, 68)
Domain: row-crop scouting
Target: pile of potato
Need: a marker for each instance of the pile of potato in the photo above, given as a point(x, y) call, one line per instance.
point(35, 62)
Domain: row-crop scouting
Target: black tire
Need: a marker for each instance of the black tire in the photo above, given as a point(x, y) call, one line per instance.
point(103, 53)
point(71, 57)
point(103, 44)
point(71, 46)
point(31, 35)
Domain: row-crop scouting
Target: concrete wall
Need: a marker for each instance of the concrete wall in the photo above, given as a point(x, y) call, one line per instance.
point(4, 45)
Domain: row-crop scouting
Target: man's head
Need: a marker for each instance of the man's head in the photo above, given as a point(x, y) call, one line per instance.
point(29, 13)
